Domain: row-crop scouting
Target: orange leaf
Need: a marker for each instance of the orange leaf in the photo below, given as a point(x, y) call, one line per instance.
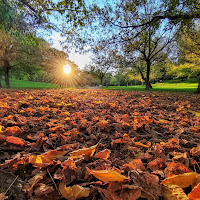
point(15, 140)
point(182, 180)
point(195, 193)
point(105, 154)
point(87, 152)
point(74, 192)
point(45, 158)
point(14, 130)
point(108, 175)
point(2, 196)
point(142, 145)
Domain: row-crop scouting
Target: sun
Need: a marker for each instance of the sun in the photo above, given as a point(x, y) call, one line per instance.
point(67, 69)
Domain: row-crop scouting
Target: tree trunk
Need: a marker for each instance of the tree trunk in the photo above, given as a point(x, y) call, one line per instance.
point(7, 68)
point(147, 81)
point(198, 88)
point(101, 79)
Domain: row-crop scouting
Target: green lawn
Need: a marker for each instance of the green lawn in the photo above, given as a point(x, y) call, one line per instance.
point(160, 87)
point(20, 84)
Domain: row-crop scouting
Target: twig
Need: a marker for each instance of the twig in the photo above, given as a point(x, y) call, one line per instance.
point(11, 184)
point(53, 181)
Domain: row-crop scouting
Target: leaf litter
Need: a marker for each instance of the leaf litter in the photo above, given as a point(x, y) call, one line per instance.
point(96, 144)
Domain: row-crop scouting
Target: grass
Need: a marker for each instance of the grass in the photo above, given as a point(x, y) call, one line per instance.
point(170, 86)
point(160, 87)
point(20, 84)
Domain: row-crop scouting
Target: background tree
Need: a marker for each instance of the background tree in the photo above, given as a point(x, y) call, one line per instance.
point(8, 50)
point(189, 64)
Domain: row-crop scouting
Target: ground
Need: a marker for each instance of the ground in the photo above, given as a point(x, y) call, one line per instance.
point(55, 142)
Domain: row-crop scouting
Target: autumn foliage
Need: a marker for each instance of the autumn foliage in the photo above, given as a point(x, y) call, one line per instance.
point(96, 144)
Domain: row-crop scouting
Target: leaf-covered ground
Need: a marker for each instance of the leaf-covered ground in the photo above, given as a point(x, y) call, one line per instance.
point(97, 144)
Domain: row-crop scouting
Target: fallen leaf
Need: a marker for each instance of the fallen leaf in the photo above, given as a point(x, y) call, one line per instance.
point(108, 175)
point(148, 145)
point(105, 154)
point(173, 192)
point(45, 158)
point(15, 140)
point(33, 181)
point(43, 190)
point(2, 196)
point(86, 152)
point(74, 192)
point(182, 180)
point(195, 193)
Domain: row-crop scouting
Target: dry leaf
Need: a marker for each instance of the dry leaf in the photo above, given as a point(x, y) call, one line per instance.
point(182, 180)
point(108, 175)
point(45, 158)
point(87, 152)
point(43, 190)
point(33, 181)
point(74, 192)
point(173, 192)
point(195, 193)
point(2, 196)
point(148, 145)
point(105, 154)
point(15, 140)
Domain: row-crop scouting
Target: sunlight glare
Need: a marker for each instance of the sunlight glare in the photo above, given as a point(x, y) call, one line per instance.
point(67, 69)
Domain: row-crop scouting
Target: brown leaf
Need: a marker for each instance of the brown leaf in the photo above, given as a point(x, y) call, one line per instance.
point(33, 181)
point(43, 190)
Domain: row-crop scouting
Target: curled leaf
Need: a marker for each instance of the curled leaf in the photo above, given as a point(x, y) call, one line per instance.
point(87, 152)
point(182, 180)
point(108, 175)
point(173, 192)
point(74, 192)
point(45, 158)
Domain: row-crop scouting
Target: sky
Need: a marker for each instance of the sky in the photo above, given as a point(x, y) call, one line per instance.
point(79, 59)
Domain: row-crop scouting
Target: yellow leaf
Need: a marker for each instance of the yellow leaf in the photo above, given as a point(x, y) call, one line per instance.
point(98, 102)
point(1, 127)
point(74, 192)
point(173, 192)
point(65, 191)
point(142, 145)
point(80, 192)
point(87, 152)
point(45, 158)
point(197, 114)
point(195, 193)
point(108, 175)
point(182, 180)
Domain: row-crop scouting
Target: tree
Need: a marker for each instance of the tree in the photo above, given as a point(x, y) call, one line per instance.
point(102, 62)
point(190, 54)
point(8, 49)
